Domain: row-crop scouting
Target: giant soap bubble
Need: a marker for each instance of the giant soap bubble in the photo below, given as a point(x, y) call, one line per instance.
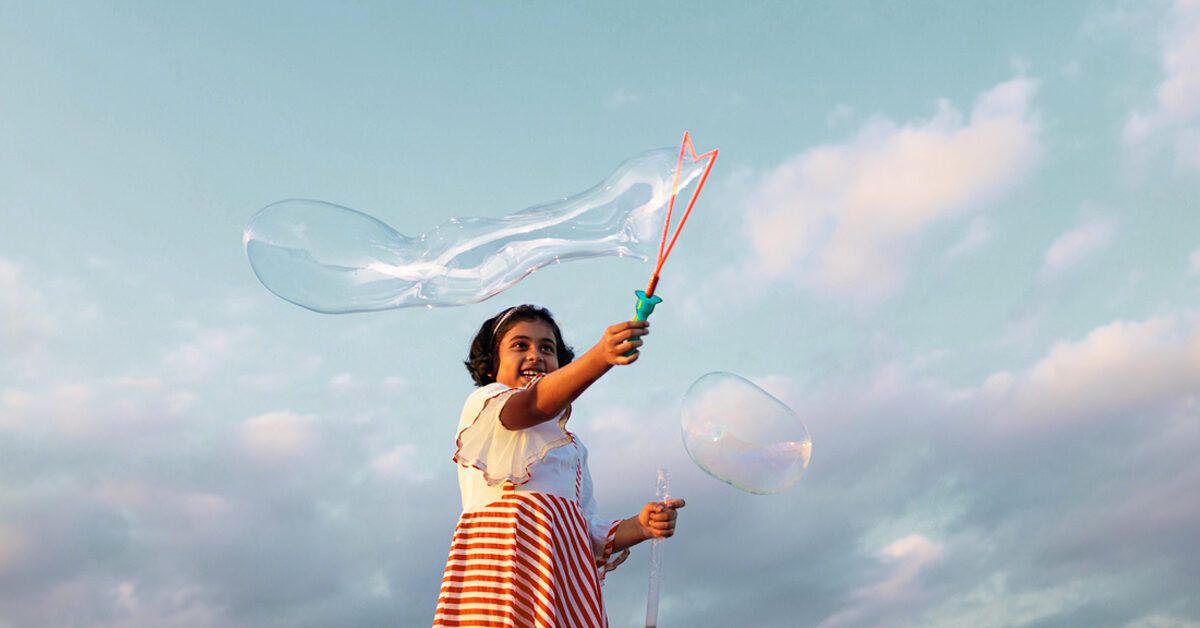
point(741, 435)
point(334, 259)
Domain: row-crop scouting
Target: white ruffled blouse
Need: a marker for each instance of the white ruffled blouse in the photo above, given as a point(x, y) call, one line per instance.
point(545, 458)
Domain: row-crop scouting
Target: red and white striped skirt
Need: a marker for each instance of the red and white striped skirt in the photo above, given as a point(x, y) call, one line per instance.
point(524, 560)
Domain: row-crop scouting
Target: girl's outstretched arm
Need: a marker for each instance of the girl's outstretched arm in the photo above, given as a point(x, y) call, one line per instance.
point(551, 395)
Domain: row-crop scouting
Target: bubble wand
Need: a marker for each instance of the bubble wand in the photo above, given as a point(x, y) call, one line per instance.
point(663, 488)
point(646, 299)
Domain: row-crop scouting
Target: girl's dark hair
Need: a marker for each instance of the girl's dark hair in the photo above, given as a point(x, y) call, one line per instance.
point(481, 361)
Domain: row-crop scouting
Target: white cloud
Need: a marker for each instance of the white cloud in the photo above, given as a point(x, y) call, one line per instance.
point(844, 217)
point(1031, 458)
point(277, 437)
point(1072, 247)
point(1163, 620)
point(209, 351)
point(1176, 108)
point(299, 370)
point(401, 463)
point(104, 412)
point(394, 384)
point(1117, 369)
point(839, 115)
point(994, 604)
point(14, 548)
point(979, 233)
point(898, 587)
point(622, 97)
point(342, 382)
point(908, 555)
point(24, 314)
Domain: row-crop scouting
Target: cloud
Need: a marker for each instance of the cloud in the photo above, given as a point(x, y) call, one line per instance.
point(1176, 108)
point(979, 233)
point(208, 351)
point(622, 97)
point(898, 587)
point(1194, 263)
point(401, 463)
point(148, 500)
point(343, 383)
point(277, 437)
point(394, 385)
point(95, 411)
point(1119, 369)
point(37, 311)
point(1072, 247)
point(14, 548)
point(845, 217)
point(995, 604)
point(1163, 620)
point(1022, 499)
point(839, 115)
point(23, 310)
point(117, 512)
point(924, 504)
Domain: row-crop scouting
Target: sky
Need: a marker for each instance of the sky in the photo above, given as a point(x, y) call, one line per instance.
point(961, 240)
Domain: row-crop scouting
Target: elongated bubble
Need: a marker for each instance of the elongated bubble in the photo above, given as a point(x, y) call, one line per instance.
point(335, 260)
point(741, 435)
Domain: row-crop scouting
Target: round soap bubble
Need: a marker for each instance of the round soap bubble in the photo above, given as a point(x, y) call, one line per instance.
point(334, 259)
point(741, 435)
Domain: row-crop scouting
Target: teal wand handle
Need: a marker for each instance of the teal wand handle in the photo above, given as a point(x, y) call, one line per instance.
point(645, 307)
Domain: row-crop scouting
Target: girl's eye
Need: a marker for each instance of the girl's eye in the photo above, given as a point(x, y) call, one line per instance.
point(548, 349)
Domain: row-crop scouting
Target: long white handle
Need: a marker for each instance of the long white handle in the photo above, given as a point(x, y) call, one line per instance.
point(662, 491)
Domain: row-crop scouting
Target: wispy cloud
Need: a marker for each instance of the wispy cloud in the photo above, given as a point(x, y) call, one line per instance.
point(278, 437)
point(979, 233)
point(622, 97)
point(207, 351)
point(1074, 246)
point(839, 115)
point(897, 589)
point(1175, 112)
point(35, 311)
point(844, 217)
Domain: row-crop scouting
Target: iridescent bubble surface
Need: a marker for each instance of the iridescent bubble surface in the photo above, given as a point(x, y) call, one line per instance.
point(739, 434)
point(334, 259)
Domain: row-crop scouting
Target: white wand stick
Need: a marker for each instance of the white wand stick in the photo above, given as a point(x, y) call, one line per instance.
point(661, 494)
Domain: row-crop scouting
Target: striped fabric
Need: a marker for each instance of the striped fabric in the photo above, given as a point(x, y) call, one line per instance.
point(523, 561)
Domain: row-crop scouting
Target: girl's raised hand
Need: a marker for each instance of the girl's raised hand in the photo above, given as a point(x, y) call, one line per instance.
point(621, 338)
point(658, 518)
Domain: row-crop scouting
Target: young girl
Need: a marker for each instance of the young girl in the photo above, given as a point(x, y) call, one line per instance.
point(529, 548)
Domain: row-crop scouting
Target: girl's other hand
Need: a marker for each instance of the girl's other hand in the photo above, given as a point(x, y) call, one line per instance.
point(658, 518)
point(621, 338)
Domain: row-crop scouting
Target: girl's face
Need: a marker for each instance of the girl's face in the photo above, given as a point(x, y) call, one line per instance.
point(526, 351)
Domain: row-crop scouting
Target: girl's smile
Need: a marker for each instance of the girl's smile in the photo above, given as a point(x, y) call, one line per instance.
point(527, 351)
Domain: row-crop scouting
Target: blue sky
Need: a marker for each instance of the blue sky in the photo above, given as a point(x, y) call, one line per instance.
point(960, 240)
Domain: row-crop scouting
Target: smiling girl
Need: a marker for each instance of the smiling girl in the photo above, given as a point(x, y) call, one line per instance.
point(529, 548)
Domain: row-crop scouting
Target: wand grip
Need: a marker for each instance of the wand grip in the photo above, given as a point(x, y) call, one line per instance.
point(643, 309)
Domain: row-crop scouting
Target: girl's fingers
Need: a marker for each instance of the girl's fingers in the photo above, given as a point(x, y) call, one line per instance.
point(629, 333)
point(636, 331)
point(624, 325)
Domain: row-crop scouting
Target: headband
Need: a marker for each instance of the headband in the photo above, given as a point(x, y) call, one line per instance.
point(504, 317)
